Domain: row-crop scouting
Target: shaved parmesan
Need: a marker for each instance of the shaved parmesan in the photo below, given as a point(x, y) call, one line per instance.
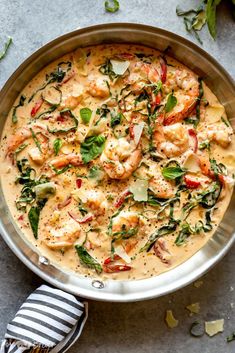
point(120, 67)
point(214, 327)
point(139, 190)
point(137, 131)
point(170, 320)
point(191, 163)
point(122, 253)
point(194, 308)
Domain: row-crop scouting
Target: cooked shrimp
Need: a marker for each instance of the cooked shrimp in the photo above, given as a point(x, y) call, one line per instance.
point(64, 237)
point(171, 140)
point(98, 87)
point(159, 186)
point(96, 202)
point(66, 159)
point(186, 89)
point(23, 134)
point(220, 134)
point(142, 73)
point(120, 158)
point(124, 222)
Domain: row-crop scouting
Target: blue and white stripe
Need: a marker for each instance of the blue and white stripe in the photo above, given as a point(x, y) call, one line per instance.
point(49, 318)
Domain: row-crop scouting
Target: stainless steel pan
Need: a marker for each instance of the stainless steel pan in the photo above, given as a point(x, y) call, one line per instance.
point(220, 83)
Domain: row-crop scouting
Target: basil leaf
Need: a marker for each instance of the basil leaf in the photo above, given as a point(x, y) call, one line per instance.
point(6, 47)
point(87, 260)
point(85, 114)
point(171, 102)
point(92, 147)
point(116, 119)
point(20, 104)
point(172, 173)
point(211, 16)
point(111, 5)
point(57, 144)
point(72, 116)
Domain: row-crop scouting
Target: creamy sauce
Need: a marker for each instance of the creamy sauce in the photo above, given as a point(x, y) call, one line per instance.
point(115, 191)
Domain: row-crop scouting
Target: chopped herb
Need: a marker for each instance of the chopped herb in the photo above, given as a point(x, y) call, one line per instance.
point(87, 260)
point(57, 144)
point(55, 76)
point(37, 143)
point(164, 230)
point(19, 149)
point(60, 171)
point(205, 145)
point(225, 121)
point(6, 47)
point(92, 147)
point(111, 5)
point(85, 114)
point(107, 69)
point(184, 233)
point(20, 104)
point(72, 128)
point(116, 119)
point(209, 197)
point(171, 102)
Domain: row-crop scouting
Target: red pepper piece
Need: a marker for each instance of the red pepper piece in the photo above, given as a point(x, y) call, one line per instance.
point(116, 268)
point(79, 183)
point(119, 201)
point(163, 69)
point(85, 219)
point(191, 183)
point(111, 259)
point(36, 107)
point(193, 134)
point(125, 56)
point(21, 218)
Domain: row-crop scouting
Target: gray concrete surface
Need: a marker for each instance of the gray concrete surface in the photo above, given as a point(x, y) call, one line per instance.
point(135, 327)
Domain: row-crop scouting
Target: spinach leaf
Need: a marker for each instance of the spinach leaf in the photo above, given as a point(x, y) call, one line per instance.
point(171, 102)
point(111, 5)
point(6, 47)
point(173, 173)
point(34, 214)
point(20, 104)
point(87, 260)
point(72, 128)
point(19, 149)
point(92, 147)
point(116, 119)
point(85, 114)
point(60, 171)
point(211, 16)
point(57, 144)
point(165, 229)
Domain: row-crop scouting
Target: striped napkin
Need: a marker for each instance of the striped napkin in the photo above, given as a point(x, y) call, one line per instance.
point(50, 320)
